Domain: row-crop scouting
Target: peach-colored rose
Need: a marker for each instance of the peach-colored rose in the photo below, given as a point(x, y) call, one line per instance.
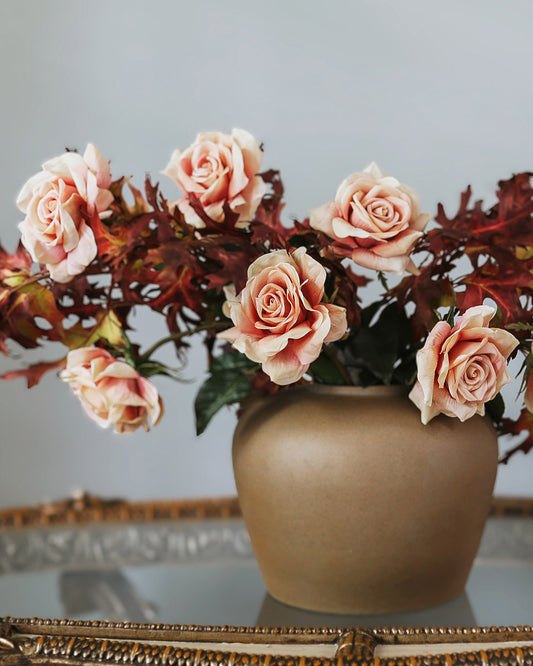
point(279, 318)
point(112, 392)
point(462, 368)
point(374, 220)
point(69, 190)
point(219, 169)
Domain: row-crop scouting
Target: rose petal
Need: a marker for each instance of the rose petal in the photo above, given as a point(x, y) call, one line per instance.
point(100, 167)
point(427, 411)
point(284, 368)
point(369, 259)
point(427, 359)
point(339, 324)
point(251, 151)
point(321, 218)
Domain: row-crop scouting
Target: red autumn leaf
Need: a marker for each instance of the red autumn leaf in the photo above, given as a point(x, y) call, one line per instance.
point(495, 242)
point(428, 293)
point(115, 242)
point(230, 265)
point(35, 372)
point(18, 262)
point(505, 289)
point(24, 308)
point(524, 424)
point(269, 213)
point(19, 326)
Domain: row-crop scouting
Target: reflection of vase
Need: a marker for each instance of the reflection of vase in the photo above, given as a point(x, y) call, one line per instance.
point(457, 612)
point(353, 506)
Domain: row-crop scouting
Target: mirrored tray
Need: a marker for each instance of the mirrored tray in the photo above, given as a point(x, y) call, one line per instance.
point(176, 582)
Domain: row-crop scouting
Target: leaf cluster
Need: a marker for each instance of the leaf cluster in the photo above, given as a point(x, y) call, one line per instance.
point(475, 256)
point(149, 257)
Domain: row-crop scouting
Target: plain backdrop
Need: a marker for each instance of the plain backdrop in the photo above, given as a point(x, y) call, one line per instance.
point(439, 94)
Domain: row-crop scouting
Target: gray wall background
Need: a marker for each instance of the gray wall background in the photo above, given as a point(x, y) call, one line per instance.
point(439, 94)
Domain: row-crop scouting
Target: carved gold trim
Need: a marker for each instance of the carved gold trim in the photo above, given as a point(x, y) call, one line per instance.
point(512, 506)
point(69, 643)
point(86, 508)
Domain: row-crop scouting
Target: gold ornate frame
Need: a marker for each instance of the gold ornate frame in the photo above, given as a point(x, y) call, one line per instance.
point(73, 643)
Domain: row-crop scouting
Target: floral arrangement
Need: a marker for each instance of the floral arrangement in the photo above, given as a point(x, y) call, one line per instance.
point(275, 302)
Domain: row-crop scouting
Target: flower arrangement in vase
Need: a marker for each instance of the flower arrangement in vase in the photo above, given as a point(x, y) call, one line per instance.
point(220, 264)
point(278, 303)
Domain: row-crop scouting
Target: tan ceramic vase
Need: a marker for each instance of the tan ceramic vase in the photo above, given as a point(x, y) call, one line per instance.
point(353, 506)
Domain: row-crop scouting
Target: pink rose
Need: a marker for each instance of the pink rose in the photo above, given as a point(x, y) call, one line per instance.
point(279, 319)
point(462, 368)
point(111, 391)
point(374, 220)
point(219, 169)
point(69, 190)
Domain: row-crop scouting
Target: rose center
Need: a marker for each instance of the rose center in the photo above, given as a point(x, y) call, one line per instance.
point(476, 371)
point(48, 207)
point(381, 210)
point(477, 380)
point(273, 306)
point(383, 214)
point(278, 308)
point(205, 167)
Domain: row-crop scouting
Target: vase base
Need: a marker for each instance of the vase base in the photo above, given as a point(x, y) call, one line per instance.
point(400, 601)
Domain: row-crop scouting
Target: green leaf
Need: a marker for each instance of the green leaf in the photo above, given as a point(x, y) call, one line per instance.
point(383, 279)
point(450, 319)
point(368, 313)
point(325, 371)
point(519, 326)
point(495, 408)
point(405, 372)
point(301, 240)
point(151, 368)
point(383, 344)
point(222, 388)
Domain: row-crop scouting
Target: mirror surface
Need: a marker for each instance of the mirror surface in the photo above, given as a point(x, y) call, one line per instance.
point(204, 572)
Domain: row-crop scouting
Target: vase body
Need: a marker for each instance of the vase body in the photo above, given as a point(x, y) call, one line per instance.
point(353, 506)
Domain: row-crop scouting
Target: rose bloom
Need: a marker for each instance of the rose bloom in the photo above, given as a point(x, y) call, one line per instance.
point(279, 318)
point(374, 220)
point(219, 169)
point(69, 190)
point(112, 392)
point(462, 368)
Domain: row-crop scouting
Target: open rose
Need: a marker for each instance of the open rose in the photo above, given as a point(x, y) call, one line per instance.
point(374, 220)
point(462, 368)
point(279, 318)
point(112, 392)
point(219, 169)
point(69, 190)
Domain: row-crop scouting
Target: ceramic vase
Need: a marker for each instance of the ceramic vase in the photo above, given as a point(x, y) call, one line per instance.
point(354, 506)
